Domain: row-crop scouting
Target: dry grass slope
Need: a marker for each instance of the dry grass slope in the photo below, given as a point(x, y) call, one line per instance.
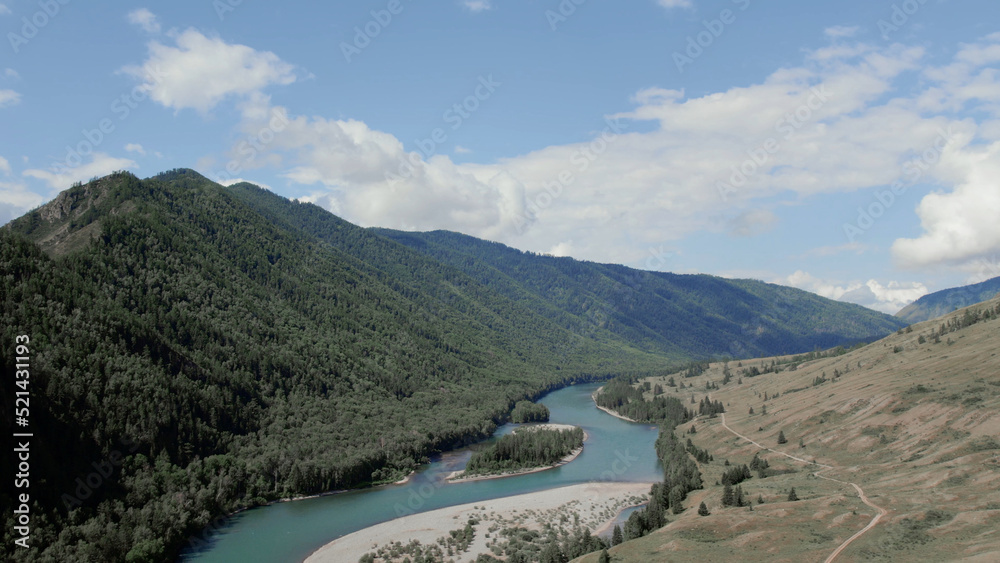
point(914, 419)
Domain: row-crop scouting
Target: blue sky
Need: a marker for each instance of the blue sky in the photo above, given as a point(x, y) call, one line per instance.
point(849, 148)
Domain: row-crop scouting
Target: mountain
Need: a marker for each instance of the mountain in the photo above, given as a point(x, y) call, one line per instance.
point(205, 349)
point(698, 315)
point(942, 302)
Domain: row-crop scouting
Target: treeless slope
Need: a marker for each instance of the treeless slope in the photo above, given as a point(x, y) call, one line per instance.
point(913, 420)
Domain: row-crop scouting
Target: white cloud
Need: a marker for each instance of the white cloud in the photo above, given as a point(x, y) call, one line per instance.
point(855, 247)
point(476, 6)
point(16, 200)
point(840, 31)
point(199, 72)
point(982, 269)
point(10, 74)
point(4, 10)
point(347, 163)
point(145, 19)
point(888, 298)
point(960, 225)
point(9, 98)
point(100, 165)
point(462, 150)
point(562, 249)
point(135, 147)
point(752, 223)
point(971, 77)
point(838, 120)
point(669, 4)
point(234, 181)
point(15, 197)
point(18, 195)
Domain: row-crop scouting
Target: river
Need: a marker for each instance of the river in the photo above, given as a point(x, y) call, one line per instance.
point(615, 450)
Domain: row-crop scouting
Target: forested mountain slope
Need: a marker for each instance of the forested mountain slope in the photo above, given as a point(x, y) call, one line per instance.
point(242, 360)
point(942, 302)
point(221, 347)
point(697, 315)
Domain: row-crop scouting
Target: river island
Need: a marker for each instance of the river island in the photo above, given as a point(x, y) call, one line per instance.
point(528, 449)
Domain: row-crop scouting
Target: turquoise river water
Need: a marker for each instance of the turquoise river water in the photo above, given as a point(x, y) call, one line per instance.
point(615, 450)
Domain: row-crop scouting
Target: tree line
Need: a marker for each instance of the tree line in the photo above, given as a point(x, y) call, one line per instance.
point(527, 448)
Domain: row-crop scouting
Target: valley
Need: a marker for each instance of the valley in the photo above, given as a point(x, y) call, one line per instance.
point(254, 349)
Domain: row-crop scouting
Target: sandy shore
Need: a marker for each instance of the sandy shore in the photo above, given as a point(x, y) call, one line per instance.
point(456, 476)
point(596, 504)
point(609, 411)
point(406, 479)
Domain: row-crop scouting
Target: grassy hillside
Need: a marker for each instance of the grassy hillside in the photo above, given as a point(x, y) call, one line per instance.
point(943, 302)
point(913, 419)
point(695, 315)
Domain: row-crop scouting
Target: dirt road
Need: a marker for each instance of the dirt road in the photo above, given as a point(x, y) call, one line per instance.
point(861, 494)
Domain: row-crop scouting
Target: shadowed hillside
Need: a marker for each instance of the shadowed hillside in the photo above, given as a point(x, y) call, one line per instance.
point(943, 302)
point(702, 316)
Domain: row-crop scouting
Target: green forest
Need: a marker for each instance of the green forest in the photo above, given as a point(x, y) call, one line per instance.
point(681, 474)
point(525, 449)
point(220, 348)
point(526, 411)
point(682, 316)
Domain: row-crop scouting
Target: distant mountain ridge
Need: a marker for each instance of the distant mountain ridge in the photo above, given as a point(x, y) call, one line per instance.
point(663, 312)
point(250, 348)
point(942, 302)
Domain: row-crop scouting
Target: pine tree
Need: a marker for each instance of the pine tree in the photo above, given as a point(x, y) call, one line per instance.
point(616, 536)
point(792, 496)
point(781, 437)
point(552, 554)
point(728, 499)
point(676, 498)
point(703, 510)
point(605, 556)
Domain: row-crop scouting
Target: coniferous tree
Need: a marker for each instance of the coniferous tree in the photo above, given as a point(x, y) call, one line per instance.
point(781, 437)
point(605, 556)
point(616, 535)
point(552, 554)
point(703, 510)
point(728, 499)
point(792, 496)
point(739, 498)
